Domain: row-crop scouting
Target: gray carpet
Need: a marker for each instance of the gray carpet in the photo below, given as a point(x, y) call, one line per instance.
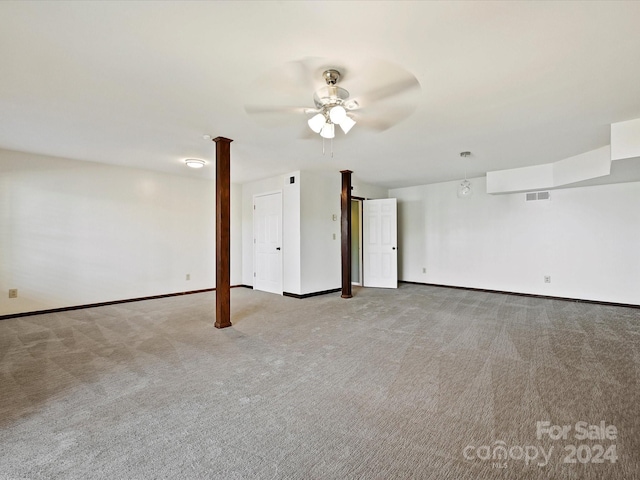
point(419, 382)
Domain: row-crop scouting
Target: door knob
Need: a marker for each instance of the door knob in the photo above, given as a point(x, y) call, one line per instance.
point(277, 248)
point(393, 248)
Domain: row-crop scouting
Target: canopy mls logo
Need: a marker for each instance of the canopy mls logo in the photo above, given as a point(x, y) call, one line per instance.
point(571, 453)
point(499, 453)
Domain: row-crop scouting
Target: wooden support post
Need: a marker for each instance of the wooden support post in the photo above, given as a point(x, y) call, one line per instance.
point(345, 228)
point(223, 228)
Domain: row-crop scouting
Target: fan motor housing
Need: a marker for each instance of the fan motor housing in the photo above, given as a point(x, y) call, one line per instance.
point(331, 76)
point(330, 96)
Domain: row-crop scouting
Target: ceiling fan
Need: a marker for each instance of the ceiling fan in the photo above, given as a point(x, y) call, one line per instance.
point(332, 103)
point(389, 94)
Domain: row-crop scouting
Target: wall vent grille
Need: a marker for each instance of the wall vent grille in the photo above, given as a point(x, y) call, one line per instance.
point(543, 196)
point(533, 196)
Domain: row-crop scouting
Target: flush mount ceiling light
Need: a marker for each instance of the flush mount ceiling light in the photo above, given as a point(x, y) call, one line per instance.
point(331, 107)
point(194, 162)
point(464, 189)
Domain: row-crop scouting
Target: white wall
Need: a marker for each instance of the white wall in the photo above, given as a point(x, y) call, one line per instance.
point(311, 256)
point(269, 185)
point(320, 232)
point(236, 234)
point(586, 166)
point(587, 239)
point(75, 233)
point(364, 190)
point(625, 139)
point(291, 212)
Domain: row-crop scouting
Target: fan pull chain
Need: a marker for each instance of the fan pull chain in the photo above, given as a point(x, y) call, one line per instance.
point(331, 146)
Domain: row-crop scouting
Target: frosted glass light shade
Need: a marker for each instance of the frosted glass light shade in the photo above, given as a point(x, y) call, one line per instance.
point(194, 163)
point(328, 131)
point(316, 122)
point(464, 189)
point(347, 123)
point(337, 114)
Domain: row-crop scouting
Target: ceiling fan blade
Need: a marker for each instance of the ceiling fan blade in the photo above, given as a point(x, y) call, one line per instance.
point(381, 119)
point(273, 116)
point(293, 81)
point(397, 87)
point(307, 134)
point(376, 124)
point(303, 72)
point(262, 109)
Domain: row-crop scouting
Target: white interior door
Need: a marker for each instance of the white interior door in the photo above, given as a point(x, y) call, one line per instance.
point(267, 242)
point(380, 254)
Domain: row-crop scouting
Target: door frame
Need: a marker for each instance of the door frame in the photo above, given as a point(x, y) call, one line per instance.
point(360, 201)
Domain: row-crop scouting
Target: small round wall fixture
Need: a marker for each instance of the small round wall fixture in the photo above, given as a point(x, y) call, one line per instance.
point(194, 162)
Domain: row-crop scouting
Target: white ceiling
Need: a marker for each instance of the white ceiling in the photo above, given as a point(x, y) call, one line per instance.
point(140, 83)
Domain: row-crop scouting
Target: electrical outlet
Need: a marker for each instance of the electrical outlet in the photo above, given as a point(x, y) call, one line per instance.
point(424, 269)
point(547, 279)
point(188, 276)
point(13, 293)
point(334, 236)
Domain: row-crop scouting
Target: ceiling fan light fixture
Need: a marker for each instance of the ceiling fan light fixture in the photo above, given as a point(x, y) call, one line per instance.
point(347, 123)
point(328, 131)
point(332, 105)
point(337, 114)
point(194, 162)
point(317, 122)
